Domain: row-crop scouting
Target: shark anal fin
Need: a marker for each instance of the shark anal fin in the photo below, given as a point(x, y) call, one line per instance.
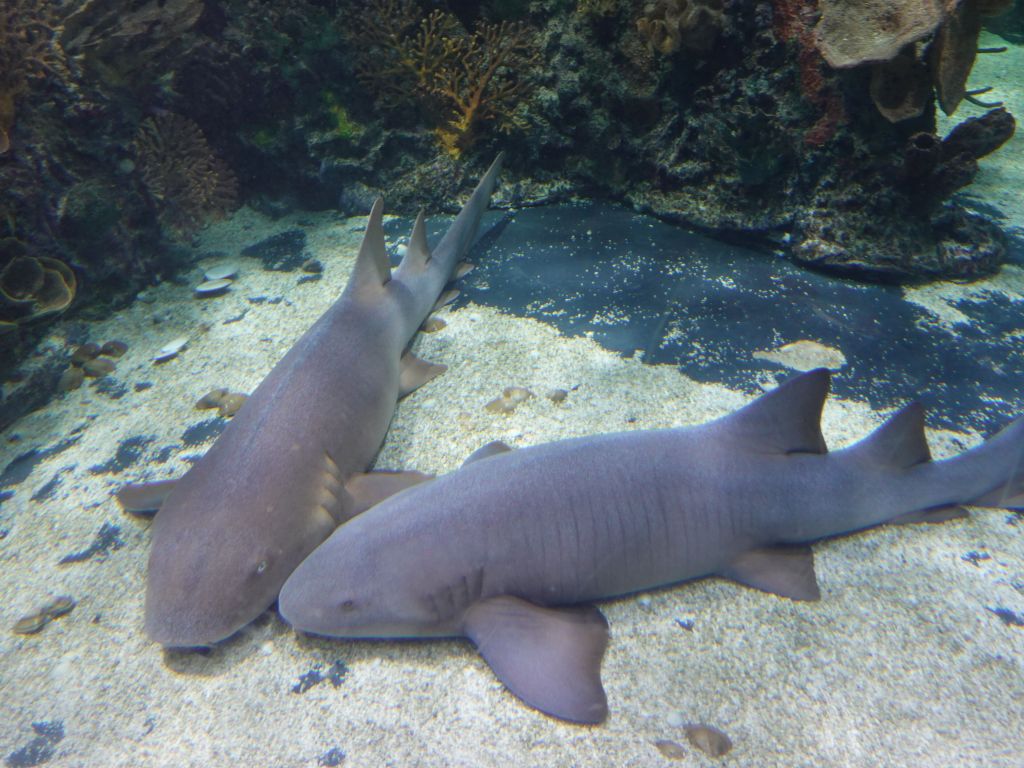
point(415, 373)
point(785, 571)
point(369, 488)
point(549, 658)
point(931, 515)
point(463, 268)
point(145, 497)
point(493, 448)
point(899, 443)
point(785, 420)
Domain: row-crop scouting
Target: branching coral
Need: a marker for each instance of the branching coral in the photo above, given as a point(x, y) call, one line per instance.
point(462, 80)
point(28, 51)
point(186, 181)
point(669, 25)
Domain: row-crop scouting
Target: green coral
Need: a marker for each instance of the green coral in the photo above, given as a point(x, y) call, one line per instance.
point(342, 124)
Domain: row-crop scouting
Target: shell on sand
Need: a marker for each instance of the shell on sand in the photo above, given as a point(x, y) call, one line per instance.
point(170, 349)
point(212, 287)
point(223, 271)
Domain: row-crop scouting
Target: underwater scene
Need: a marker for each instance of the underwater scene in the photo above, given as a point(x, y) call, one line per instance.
point(511, 382)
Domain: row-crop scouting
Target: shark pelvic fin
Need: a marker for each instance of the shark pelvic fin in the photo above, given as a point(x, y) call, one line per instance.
point(549, 658)
point(785, 571)
point(445, 298)
point(373, 268)
point(899, 443)
point(369, 488)
point(493, 448)
point(140, 498)
point(415, 373)
point(785, 420)
point(417, 252)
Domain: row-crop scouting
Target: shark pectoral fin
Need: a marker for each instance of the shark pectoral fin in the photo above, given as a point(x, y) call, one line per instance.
point(785, 571)
point(445, 299)
point(145, 497)
point(930, 515)
point(370, 488)
point(549, 658)
point(415, 373)
point(493, 448)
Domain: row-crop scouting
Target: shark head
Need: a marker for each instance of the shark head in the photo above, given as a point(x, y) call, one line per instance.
point(207, 581)
point(349, 587)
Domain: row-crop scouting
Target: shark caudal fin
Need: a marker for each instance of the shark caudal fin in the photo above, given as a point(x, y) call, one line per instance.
point(462, 233)
point(1000, 460)
point(785, 420)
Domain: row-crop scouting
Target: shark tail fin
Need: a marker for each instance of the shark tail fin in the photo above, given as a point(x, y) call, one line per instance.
point(373, 268)
point(784, 420)
point(900, 442)
point(1001, 462)
point(462, 233)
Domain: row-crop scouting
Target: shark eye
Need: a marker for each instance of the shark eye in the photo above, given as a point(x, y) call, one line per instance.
point(348, 606)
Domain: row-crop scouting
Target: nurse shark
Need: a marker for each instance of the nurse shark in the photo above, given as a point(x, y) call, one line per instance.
point(509, 550)
point(292, 464)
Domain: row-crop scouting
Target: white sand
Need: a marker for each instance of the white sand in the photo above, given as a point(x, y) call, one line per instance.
point(899, 664)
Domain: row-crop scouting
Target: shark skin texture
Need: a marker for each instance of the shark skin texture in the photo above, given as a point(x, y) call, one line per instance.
point(292, 464)
point(510, 549)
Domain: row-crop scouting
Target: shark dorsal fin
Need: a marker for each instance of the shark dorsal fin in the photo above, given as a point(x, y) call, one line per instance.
point(372, 264)
point(417, 253)
point(785, 420)
point(899, 443)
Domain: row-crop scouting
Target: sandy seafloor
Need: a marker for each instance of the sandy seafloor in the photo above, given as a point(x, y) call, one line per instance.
point(902, 662)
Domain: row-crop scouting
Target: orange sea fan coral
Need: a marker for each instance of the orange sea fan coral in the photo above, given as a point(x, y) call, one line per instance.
point(187, 182)
point(28, 51)
point(461, 80)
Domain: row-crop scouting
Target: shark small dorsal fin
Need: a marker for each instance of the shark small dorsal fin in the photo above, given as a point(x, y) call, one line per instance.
point(899, 443)
point(417, 252)
point(550, 658)
point(785, 420)
point(373, 268)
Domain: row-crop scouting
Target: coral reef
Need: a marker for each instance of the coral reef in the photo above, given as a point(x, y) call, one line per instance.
point(669, 25)
point(29, 50)
point(188, 183)
point(32, 286)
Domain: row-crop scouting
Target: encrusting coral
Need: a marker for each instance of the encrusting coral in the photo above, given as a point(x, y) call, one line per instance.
point(32, 286)
point(28, 51)
point(669, 25)
point(187, 182)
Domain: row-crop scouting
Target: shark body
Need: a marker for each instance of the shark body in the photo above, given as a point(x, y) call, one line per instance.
point(292, 464)
point(509, 549)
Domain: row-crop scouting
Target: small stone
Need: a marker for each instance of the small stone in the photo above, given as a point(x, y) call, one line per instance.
point(675, 720)
point(171, 349)
point(60, 606)
point(71, 379)
point(84, 353)
point(499, 405)
point(708, 740)
point(433, 324)
point(212, 399)
point(670, 749)
point(517, 395)
point(212, 287)
point(114, 349)
point(98, 367)
point(224, 271)
point(231, 403)
point(29, 625)
point(556, 395)
point(312, 266)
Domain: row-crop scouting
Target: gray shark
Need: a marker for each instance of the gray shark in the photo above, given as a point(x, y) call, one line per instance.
point(292, 464)
point(508, 550)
